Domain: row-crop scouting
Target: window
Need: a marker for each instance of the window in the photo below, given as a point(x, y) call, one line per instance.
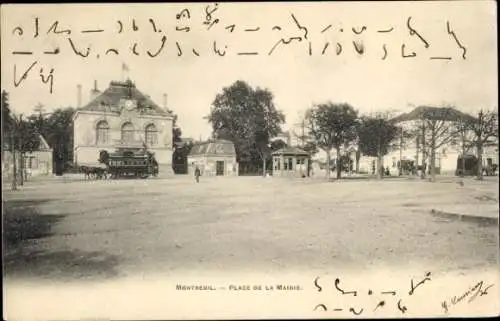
point(127, 132)
point(290, 164)
point(102, 132)
point(151, 135)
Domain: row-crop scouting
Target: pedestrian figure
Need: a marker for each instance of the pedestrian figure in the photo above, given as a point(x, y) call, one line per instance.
point(197, 174)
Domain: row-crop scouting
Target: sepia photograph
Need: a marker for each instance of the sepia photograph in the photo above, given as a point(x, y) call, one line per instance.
point(250, 160)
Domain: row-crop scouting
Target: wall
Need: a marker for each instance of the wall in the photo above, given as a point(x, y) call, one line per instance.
point(298, 169)
point(41, 164)
point(87, 150)
point(207, 164)
point(446, 159)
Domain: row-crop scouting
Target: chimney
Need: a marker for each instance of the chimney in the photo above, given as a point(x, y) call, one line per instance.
point(165, 101)
point(79, 96)
point(94, 92)
point(289, 139)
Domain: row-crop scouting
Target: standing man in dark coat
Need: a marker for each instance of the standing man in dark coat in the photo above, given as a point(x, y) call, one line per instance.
point(197, 174)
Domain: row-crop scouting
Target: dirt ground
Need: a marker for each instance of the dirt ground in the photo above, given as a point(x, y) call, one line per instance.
point(69, 229)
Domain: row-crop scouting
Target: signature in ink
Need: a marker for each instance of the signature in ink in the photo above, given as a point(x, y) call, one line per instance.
point(479, 289)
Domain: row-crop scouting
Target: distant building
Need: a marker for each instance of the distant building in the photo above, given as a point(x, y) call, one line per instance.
point(36, 163)
point(290, 162)
point(214, 158)
point(122, 117)
point(445, 161)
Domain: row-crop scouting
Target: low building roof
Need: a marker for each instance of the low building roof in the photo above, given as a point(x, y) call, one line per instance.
point(291, 151)
point(43, 146)
point(433, 113)
point(213, 147)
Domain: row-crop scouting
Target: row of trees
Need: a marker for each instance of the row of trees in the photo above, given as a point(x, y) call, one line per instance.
point(338, 126)
point(249, 118)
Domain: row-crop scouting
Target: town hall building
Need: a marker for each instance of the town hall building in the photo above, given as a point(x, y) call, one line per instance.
point(122, 117)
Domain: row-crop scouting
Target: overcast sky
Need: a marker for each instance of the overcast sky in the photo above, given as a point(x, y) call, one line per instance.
point(296, 78)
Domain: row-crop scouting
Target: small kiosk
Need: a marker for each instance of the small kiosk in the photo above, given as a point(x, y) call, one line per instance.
point(290, 162)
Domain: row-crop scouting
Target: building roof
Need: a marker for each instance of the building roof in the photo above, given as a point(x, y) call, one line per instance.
point(433, 113)
point(109, 99)
point(213, 147)
point(44, 146)
point(290, 151)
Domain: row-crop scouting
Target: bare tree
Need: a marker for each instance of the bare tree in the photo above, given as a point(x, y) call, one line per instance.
point(436, 130)
point(485, 129)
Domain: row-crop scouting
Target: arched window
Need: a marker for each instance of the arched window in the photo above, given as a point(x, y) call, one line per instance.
point(102, 132)
point(128, 132)
point(151, 135)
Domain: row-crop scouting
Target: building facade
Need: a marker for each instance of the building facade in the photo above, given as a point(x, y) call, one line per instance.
point(122, 117)
point(446, 156)
point(36, 163)
point(290, 162)
point(213, 158)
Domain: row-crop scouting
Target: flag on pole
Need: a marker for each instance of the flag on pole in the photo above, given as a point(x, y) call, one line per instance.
point(124, 67)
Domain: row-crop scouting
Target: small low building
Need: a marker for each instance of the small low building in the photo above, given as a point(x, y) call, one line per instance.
point(213, 158)
point(36, 163)
point(290, 162)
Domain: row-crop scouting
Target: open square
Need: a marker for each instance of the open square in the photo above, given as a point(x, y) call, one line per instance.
point(72, 229)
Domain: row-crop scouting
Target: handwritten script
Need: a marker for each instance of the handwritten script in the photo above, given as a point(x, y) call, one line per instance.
point(387, 297)
point(478, 289)
point(206, 19)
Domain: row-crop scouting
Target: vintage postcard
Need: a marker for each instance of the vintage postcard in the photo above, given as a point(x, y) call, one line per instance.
point(250, 160)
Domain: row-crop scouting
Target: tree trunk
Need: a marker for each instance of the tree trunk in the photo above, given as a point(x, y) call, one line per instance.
point(462, 163)
point(400, 169)
point(308, 165)
point(380, 165)
point(339, 164)
point(14, 172)
point(433, 157)
point(480, 161)
point(264, 171)
point(433, 164)
point(358, 157)
point(21, 169)
point(418, 151)
point(424, 155)
point(327, 167)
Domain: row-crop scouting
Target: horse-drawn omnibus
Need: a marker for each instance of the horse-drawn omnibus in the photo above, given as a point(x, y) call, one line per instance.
point(127, 163)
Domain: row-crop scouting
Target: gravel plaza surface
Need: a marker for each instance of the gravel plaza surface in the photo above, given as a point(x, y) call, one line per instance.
point(66, 228)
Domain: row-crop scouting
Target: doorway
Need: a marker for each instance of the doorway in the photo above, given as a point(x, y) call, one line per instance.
point(219, 168)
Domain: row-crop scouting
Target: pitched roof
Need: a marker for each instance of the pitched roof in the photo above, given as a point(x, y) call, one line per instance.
point(433, 113)
point(219, 146)
point(290, 151)
point(109, 100)
point(43, 146)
